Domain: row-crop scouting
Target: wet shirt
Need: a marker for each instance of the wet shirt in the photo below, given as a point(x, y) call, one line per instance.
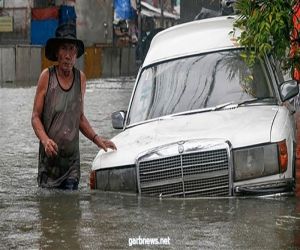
point(61, 115)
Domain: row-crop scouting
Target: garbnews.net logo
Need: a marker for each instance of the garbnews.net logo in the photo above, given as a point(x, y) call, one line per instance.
point(148, 241)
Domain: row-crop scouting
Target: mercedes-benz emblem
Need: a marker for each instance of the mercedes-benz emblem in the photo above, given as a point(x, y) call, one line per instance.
point(180, 149)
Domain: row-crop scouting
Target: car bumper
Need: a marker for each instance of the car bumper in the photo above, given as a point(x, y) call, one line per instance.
point(265, 188)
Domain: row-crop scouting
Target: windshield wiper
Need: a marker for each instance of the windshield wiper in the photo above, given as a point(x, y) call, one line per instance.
point(230, 105)
point(223, 105)
point(257, 99)
point(196, 111)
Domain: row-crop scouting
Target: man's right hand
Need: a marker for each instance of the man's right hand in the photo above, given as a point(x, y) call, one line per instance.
point(51, 148)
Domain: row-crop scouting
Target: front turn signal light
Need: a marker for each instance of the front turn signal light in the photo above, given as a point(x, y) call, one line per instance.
point(282, 156)
point(93, 179)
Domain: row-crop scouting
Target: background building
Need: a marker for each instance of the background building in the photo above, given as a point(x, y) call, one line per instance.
point(25, 26)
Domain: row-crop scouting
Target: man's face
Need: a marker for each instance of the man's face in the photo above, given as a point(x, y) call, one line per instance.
point(66, 56)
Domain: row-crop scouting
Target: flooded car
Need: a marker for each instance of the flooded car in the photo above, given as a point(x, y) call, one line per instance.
point(201, 122)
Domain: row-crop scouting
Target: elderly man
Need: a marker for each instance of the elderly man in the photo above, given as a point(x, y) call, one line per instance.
point(58, 113)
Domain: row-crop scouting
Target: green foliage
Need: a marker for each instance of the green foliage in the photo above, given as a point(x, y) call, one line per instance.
point(266, 28)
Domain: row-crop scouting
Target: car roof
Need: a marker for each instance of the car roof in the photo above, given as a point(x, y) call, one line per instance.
point(193, 38)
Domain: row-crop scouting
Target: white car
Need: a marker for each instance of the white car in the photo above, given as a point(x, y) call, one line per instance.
point(200, 122)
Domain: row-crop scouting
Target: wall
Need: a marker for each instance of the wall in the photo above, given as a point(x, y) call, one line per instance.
point(94, 20)
point(91, 17)
point(40, 3)
point(28, 61)
point(7, 64)
point(21, 13)
point(119, 62)
point(22, 65)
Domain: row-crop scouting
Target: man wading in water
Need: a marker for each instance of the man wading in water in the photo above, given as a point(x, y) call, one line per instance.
point(58, 113)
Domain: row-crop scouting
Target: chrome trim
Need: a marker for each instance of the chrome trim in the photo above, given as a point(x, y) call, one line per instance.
point(268, 187)
point(181, 164)
point(193, 181)
point(230, 160)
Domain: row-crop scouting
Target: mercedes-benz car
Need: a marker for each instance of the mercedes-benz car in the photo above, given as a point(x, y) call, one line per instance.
point(202, 122)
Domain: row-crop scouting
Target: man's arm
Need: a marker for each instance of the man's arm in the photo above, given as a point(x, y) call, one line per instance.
point(85, 127)
point(36, 119)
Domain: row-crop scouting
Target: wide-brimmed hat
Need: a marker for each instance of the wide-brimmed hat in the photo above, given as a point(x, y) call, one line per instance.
point(64, 33)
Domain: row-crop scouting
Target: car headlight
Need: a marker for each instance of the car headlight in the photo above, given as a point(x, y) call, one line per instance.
point(116, 179)
point(257, 161)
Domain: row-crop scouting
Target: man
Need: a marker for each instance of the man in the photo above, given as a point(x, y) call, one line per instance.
point(58, 113)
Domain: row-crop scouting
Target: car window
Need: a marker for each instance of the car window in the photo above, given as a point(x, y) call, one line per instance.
point(281, 72)
point(197, 82)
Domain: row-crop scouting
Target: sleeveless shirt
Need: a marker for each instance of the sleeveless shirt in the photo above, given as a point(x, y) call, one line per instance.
point(60, 117)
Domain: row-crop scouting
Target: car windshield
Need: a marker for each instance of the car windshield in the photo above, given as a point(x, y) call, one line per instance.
point(197, 82)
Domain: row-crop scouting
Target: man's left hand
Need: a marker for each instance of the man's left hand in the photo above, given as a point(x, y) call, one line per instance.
point(105, 144)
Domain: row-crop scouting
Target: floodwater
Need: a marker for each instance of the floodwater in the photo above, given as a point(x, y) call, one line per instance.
point(34, 218)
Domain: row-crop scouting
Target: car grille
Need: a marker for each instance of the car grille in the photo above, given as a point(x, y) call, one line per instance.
point(193, 174)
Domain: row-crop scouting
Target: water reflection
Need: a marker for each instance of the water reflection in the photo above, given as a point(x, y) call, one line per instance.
point(194, 223)
point(296, 224)
point(59, 215)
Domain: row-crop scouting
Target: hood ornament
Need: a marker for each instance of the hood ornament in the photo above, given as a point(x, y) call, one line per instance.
point(181, 147)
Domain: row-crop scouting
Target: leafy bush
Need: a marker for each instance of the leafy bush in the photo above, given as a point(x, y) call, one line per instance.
point(267, 27)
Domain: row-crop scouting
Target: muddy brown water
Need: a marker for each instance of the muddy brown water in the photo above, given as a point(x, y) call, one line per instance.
point(33, 218)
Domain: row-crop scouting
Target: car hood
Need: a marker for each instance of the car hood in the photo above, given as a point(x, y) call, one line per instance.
point(241, 126)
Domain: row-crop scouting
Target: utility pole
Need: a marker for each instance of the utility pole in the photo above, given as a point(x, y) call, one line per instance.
point(161, 13)
point(140, 51)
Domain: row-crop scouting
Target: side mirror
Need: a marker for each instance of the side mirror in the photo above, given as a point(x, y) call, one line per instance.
point(288, 90)
point(118, 119)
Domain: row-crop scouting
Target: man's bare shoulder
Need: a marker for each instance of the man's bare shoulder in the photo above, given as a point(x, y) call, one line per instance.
point(43, 80)
point(44, 75)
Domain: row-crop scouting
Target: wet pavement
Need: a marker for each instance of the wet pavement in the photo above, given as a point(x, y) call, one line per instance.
point(34, 218)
